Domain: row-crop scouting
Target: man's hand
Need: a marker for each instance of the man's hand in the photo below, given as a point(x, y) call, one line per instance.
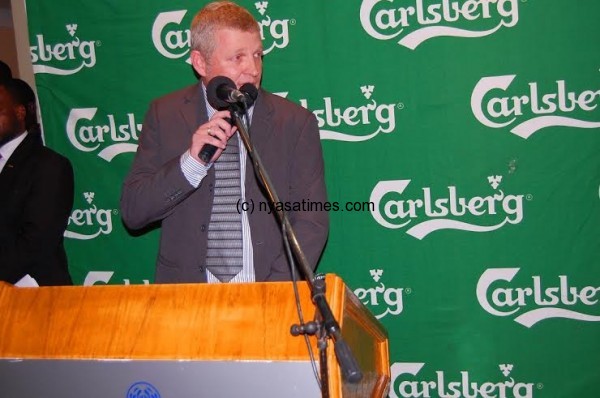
point(215, 132)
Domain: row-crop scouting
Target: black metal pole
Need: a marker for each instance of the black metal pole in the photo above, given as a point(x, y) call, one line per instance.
point(348, 364)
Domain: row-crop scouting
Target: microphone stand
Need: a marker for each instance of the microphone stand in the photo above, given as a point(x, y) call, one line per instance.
point(328, 327)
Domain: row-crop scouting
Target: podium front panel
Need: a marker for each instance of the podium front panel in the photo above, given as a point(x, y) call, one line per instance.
point(156, 379)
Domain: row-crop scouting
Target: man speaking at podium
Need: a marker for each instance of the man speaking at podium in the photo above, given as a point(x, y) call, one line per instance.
point(212, 227)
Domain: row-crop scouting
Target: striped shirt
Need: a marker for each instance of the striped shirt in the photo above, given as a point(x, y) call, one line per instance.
point(195, 172)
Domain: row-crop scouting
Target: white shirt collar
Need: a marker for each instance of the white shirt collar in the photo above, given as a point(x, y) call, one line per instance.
point(7, 149)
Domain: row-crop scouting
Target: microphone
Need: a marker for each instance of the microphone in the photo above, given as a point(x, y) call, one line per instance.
point(250, 92)
point(222, 93)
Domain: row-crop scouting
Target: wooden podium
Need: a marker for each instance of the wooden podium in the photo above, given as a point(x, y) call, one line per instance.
point(188, 340)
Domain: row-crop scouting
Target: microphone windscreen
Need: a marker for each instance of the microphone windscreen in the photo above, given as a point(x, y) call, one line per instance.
point(215, 86)
point(251, 92)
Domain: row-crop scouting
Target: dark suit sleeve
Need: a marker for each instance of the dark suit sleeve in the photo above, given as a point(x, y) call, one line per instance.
point(154, 185)
point(307, 176)
point(46, 210)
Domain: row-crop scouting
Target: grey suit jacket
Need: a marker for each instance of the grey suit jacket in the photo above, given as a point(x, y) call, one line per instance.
point(287, 138)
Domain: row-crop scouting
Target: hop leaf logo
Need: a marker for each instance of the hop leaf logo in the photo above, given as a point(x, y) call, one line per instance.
point(506, 369)
point(261, 6)
point(367, 91)
point(494, 181)
point(89, 196)
point(376, 274)
point(72, 28)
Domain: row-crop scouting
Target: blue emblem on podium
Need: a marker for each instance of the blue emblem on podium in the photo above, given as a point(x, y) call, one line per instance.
point(141, 389)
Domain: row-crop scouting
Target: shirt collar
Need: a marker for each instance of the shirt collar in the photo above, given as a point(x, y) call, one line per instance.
point(7, 149)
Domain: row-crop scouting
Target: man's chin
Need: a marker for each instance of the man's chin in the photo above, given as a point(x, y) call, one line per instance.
point(6, 138)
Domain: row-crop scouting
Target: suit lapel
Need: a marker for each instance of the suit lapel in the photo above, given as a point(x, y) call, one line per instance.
point(193, 108)
point(261, 125)
point(18, 159)
point(261, 135)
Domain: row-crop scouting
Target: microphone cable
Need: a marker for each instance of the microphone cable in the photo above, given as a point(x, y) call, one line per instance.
point(292, 264)
point(288, 252)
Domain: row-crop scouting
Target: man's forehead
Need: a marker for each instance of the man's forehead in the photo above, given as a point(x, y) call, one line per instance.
point(6, 99)
point(232, 35)
point(4, 94)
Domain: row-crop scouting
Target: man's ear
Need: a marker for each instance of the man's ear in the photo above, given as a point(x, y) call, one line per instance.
point(198, 62)
point(21, 113)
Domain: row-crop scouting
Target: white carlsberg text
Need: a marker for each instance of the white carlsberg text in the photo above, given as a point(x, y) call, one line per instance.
point(539, 108)
point(63, 58)
point(407, 383)
point(99, 221)
point(413, 22)
point(539, 300)
point(381, 300)
point(88, 137)
point(339, 123)
point(429, 212)
point(172, 38)
point(169, 39)
point(94, 277)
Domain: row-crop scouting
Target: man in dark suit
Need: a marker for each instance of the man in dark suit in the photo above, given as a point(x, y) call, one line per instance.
point(36, 194)
point(205, 237)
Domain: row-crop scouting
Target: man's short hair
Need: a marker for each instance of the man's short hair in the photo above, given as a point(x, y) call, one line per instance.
point(22, 94)
point(20, 91)
point(5, 72)
point(219, 15)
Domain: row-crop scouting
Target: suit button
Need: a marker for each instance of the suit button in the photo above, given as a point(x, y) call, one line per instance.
point(203, 227)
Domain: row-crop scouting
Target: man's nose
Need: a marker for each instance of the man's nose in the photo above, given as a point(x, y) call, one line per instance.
point(253, 66)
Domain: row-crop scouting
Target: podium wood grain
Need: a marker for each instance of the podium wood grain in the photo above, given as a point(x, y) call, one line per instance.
point(226, 322)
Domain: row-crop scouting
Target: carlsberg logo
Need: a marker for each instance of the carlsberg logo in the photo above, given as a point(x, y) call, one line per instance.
point(541, 298)
point(428, 213)
point(532, 110)
point(171, 37)
point(381, 300)
point(64, 58)
point(370, 118)
point(414, 22)
point(120, 132)
point(274, 32)
point(406, 383)
point(95, 277)
point(90, 222)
